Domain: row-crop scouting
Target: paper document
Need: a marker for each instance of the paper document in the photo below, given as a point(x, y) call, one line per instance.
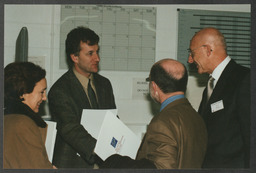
point(92, 120)
point(50, 139)
point(116, 138)
point(113, 136)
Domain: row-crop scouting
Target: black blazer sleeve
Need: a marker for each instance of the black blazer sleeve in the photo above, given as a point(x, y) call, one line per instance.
point(244, 114)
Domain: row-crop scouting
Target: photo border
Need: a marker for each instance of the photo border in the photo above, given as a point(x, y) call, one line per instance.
point(139, 2)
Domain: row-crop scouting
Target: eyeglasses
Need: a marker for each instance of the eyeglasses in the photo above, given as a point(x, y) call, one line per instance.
point(191, 52)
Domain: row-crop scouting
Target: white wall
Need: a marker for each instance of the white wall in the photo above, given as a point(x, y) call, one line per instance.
point(43, 23)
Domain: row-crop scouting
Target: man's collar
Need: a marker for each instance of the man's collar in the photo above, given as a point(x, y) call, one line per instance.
point(171, 99)
point(219, 69)
point(82, 79)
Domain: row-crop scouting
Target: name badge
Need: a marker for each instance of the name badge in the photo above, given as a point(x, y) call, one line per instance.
point(217, 106)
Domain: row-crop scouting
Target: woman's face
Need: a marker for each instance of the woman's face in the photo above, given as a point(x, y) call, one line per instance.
point(34, 99)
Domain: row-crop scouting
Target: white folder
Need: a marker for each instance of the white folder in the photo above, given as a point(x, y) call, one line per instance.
point(50, 139)
point(113, 136)
point(92, 120)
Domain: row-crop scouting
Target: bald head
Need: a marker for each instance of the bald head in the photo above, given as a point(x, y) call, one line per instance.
point(210, 36)
point(173, 68)
point(170, 75)
point(208, 50)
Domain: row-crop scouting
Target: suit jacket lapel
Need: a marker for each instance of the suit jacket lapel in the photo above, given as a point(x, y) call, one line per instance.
point(99, 89)
point(220, 87)
point(203, 105)
point(79, 90)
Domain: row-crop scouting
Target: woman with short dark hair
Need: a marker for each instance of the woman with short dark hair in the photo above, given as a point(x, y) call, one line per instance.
point(24, 130)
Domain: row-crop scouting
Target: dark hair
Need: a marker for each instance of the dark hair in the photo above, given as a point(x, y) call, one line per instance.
point(75, 37)
point(166, 81)
point(20, 78)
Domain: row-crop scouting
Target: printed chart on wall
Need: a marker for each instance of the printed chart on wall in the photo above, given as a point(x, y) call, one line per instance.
point(127, 34)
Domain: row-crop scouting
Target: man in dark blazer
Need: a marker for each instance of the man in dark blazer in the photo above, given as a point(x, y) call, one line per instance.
point(226, 111)
point(74, 147)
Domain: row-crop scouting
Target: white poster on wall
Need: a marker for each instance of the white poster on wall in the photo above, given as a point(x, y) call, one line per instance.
point(140, 88)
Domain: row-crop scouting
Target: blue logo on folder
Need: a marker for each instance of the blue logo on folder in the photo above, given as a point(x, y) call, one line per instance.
point(114, 142)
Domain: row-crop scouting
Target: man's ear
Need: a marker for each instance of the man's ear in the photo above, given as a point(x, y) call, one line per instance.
point(23, 96)
point(74, 58)
point(155, 87)
point(209, 50)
